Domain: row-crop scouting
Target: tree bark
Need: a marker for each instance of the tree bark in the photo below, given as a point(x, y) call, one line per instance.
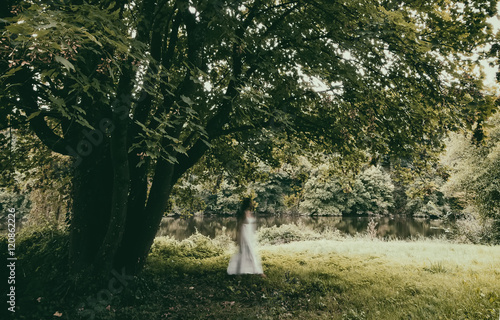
point(92, 186)
point(121, 176)
point(142, 228)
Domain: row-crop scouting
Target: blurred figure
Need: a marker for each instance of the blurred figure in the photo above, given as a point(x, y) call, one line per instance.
point(246, 260)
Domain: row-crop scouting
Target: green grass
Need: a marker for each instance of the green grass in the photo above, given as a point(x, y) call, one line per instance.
point(397, 280)
point(353, 278)
point(334, 278)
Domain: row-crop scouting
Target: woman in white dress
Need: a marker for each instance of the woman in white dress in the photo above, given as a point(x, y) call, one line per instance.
point(246, 260)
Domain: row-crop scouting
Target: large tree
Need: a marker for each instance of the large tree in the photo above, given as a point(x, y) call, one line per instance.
point(137, 92)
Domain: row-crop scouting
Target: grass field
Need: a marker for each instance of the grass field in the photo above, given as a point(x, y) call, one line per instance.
point(328, 277)
point(352, 278)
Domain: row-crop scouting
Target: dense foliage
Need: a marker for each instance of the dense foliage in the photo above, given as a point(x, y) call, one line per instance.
point(35, 182)
point(322, 189)
point(475, 174)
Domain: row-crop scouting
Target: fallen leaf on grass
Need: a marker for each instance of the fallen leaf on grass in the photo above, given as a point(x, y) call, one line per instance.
point(228, 303)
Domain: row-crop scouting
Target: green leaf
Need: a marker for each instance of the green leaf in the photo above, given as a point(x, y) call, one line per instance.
point(92, 37)
point(180, 149)
point(11, 71)
point(65, 63)
point(187, 100)
point(34, 114)
point(208, 144)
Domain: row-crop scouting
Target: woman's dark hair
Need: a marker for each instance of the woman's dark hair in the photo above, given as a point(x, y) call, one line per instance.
point(246, 204)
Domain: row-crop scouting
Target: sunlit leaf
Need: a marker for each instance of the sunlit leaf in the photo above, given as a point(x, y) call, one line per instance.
point(68, 65)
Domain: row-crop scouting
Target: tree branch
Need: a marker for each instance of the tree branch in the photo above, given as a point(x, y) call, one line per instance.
point(168, 51)
point(215, 124)
point(53, 141)
point(261, 125)
point(38, 124)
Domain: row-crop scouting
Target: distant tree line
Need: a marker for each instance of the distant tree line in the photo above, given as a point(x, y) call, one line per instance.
point(319, 189)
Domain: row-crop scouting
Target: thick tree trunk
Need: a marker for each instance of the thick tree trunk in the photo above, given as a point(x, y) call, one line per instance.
point(92, 193)
point(116, 226)
point(142, 228)
point(121, 178)
point(135, 213)
point(138, 188)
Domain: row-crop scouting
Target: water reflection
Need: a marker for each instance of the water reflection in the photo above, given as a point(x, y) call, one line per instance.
point(387, 227)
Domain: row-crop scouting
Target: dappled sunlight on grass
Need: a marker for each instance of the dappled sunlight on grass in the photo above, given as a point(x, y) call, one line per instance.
point(462, 256)
point(350, 278)
point(395, 279)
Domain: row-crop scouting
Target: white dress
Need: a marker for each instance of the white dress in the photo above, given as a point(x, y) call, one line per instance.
point(246, 260)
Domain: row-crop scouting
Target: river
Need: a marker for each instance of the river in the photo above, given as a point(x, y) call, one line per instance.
point(399, 227)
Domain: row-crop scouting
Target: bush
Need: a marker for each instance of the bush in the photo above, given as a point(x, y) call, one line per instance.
point(292, 232)
point(323, 196)
point(18, 201)
point(371, 193)
point(186, 198)
point(41, 269)
point(196, 246)
point(473, 229)
point(226, 201)
point(434, 205)
point(271, 192)
point(476, 172)
point(43, 254)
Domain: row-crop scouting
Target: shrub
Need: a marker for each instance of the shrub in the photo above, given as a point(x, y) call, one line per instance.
point(476, 172)
point(371, 193)
point(226, 201)
point(41, 269)
point(291, 203)
point(196, 246)
point(473, 229)
point(186, 199)
point(323, 195)
point(371, 229)
point(429, 206)
point(270, 193)
point(292, 232)
point(18, 201)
